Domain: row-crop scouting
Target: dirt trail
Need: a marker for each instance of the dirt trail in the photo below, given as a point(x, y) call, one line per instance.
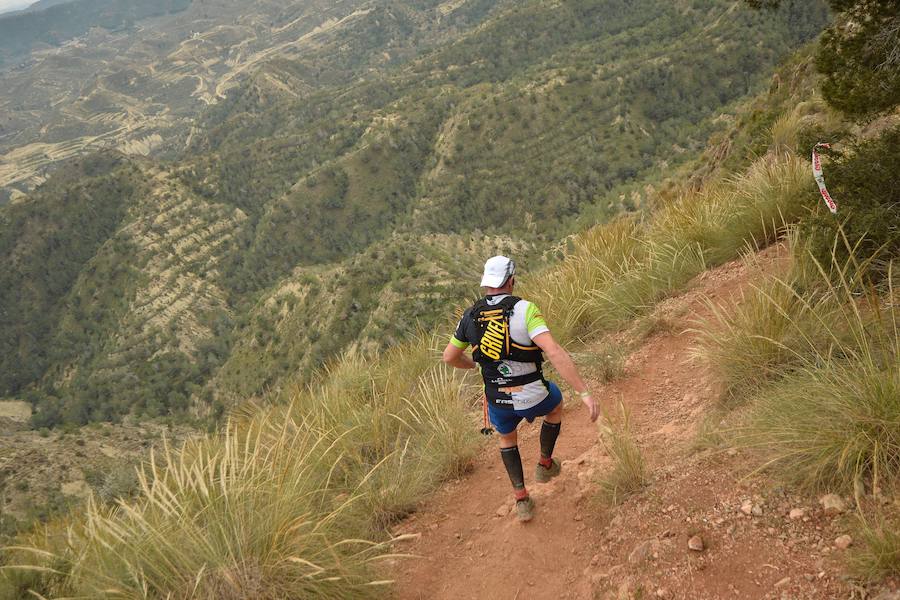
point(577, 548)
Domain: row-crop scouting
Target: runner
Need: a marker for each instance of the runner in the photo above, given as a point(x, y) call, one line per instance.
point(509, 337)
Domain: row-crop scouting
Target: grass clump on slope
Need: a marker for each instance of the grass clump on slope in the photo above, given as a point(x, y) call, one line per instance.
point(629, 470)
point(822, 404)
point(618, 271)
point(289, 501)
point(831, 415)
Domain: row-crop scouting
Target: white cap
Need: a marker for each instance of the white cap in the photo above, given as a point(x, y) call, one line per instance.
point(497, 270)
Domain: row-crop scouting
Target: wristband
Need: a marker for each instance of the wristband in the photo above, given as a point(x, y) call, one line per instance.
point(584, 394)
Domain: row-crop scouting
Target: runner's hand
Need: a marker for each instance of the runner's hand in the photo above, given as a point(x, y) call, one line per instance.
point(592, 406)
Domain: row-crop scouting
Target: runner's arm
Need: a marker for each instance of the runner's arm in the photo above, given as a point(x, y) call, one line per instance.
point(456, 357)
point(564, 365)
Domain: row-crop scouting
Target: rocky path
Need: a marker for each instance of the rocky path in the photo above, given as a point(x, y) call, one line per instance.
point(752, 538)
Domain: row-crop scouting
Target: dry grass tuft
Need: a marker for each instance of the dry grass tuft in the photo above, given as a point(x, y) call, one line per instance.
point(629, 471)
point(288, 501)
point(877, 555)
point(818, 364)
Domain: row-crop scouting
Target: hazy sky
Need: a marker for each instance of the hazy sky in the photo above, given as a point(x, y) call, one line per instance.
point(6, 5)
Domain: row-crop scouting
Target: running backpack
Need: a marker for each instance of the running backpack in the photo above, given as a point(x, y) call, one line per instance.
point(490, 337)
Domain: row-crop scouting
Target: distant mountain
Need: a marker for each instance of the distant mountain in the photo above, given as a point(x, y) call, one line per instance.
point(10, 6)
point(356, 163)
point(28, 6)
point(55, 22)
point(45, 4)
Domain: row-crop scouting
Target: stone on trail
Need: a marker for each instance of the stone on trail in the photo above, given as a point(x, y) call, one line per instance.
point(832, 504)
point(643, 551)
point(503, 510)
point(696, 544)
point(751, 509)
point(783, 582)
point(797, 513)
point(843, 542)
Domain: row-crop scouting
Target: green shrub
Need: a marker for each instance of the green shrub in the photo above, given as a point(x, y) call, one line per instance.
point(862, 180)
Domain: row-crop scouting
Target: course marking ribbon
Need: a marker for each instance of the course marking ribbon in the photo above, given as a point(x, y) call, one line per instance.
point(819, 176)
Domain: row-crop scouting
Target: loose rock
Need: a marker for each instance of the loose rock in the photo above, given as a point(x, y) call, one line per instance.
point(696, 544)
point(797, 513)
point(843, 542)
point(747, 507)
point(783, 582)
point(503, 510)
point(643, 551)
point(832, 504)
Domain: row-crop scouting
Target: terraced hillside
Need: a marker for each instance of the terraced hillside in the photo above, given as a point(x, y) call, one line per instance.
point(353, 172)
point(138, 85)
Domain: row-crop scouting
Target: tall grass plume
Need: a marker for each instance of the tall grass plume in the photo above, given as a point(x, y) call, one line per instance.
point(628, 473)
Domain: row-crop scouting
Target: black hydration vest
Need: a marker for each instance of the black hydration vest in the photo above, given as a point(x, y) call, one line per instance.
point(487, 330)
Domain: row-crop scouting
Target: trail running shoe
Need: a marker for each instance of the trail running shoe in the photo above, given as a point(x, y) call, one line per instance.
point(544, 474)
point(525, 509)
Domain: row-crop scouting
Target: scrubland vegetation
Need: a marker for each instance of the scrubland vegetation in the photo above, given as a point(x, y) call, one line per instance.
point(619, 271)
point(296, 497)
point(295, 223)
point(336, 463)
point(293, 499)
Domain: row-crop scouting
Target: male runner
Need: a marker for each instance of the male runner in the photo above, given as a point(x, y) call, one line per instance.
point(509, 338)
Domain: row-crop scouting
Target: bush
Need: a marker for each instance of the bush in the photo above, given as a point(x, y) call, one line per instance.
point(862, 181)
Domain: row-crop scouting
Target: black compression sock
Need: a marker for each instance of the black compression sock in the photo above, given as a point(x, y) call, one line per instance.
point(513, 463)
point(549, 433)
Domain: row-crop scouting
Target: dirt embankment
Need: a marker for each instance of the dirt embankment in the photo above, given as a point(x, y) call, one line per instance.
point(759, 540)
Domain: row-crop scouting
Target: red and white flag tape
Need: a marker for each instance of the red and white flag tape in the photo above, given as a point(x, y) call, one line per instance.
point(819, 176)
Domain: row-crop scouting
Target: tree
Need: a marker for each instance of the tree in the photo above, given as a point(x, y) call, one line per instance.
point(859, 55)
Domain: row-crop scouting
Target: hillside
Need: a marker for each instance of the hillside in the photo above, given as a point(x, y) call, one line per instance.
point(86, 75)
point(339, 173)
point(744, 341)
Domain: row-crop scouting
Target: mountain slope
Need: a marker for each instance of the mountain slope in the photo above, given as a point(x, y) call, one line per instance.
point(139, 88)
point(307, 205)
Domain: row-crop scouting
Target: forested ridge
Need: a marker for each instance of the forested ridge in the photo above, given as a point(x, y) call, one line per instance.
point(349, 211)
